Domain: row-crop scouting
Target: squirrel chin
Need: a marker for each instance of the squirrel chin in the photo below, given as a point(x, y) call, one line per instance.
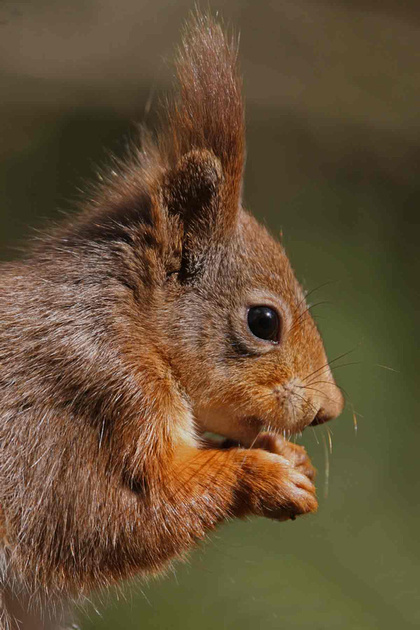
point(247, 432)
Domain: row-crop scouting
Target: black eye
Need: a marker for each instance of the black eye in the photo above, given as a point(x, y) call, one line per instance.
point(264, 323)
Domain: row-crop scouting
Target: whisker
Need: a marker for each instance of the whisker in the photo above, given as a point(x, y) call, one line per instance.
point(355, 423)
point(316, 435)
point(255, 439)
point(323, 382)
point(247, 451)
point(336, 367)
point(294, 414)
point(314, 389)
point(298, 320)
point(386, 367)
point(329, 363)
point(320, 286)
point(354, 416)
point(327, 466)
point(329, 433)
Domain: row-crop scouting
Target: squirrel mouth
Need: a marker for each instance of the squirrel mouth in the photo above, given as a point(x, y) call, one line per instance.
point(320, 418)
point(316, 422)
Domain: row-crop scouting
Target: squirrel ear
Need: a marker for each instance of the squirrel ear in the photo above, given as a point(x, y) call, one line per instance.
point(201, 144)
point(194, 190)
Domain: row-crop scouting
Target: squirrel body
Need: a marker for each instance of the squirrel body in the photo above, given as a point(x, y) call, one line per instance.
point(125, 337)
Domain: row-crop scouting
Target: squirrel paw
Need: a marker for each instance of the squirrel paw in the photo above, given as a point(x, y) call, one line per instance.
point(294, 453)
point(277, 480)
point(295, 494)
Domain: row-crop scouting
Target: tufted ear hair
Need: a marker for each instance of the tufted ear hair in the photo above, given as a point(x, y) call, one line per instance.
point(201, 142)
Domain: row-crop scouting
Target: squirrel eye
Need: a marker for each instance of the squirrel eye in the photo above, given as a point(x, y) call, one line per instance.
point(264, 323)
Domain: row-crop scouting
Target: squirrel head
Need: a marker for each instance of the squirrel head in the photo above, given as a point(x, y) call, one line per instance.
point(227, 313)
point(243, 344)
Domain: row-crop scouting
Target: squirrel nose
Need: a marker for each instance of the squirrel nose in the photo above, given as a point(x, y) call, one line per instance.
point(331, 408)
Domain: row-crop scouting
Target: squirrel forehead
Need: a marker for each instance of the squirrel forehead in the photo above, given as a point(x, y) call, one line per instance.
point(253, 261)
point(266, 257)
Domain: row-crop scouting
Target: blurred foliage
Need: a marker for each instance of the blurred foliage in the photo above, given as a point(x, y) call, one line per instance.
point(345, 192)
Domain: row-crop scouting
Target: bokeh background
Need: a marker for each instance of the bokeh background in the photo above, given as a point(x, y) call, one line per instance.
point(332, 92)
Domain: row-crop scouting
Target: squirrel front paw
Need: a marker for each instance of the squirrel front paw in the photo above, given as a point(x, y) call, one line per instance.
point(294, 453)
point(276, 480)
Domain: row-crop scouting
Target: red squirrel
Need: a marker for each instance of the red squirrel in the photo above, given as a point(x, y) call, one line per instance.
point(160, 312)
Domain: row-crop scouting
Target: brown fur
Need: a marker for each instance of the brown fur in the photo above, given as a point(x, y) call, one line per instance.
point(124, 338)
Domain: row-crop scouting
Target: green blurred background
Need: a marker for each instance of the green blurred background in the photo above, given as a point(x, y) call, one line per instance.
point(332, 92)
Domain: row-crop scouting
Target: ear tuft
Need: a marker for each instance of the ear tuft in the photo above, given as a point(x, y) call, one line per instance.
point(206, 112)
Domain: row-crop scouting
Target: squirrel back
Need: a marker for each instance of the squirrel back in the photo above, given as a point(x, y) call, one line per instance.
point(162, 311)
